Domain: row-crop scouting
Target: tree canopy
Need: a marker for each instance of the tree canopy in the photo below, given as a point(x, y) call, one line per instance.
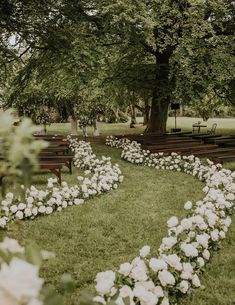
point(79, 51)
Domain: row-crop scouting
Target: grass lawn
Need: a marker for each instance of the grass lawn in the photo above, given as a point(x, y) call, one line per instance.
point(110, 229)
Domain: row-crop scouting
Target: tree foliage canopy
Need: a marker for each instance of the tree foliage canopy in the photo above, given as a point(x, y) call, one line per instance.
point(81, 51)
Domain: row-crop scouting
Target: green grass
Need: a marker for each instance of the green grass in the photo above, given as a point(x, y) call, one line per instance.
point(110, 229)
point(225, 126)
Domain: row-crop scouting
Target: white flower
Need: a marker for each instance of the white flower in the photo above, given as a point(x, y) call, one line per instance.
point(186, 223)
point(184, 286)
point(196, 281)
point(13, 208)
point(20, 281)
point(99, 299)
point(146, 297)
point(126, 291)
point(206, 254)
point(172, 222)
point(215, 235)
point(3, 222)
point(202, 239)
point(200, 261)
point(158, 291)
point(157, 264)
point(166, 278)
point(139, 270)
point(125, 269)
point(49, 210)
point(21, 206)
point(105, 281)
point(30, 200)
point(19, 215)
point(188, 205)
point(169, 242)
point(78, 201)
point(11, 245)
point(189, 250)
point(42, 209)
point(187, 271)
point(144, 251)
point(174, 261)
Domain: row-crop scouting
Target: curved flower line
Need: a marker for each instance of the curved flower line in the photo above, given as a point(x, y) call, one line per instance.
point(174, 270)
point(101, 176)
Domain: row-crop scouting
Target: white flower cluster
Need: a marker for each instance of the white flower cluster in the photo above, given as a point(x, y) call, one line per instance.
point(19, 280)
point(190, 241)
point(101, 176)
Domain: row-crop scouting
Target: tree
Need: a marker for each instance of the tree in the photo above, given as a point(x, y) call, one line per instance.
point(172, 49)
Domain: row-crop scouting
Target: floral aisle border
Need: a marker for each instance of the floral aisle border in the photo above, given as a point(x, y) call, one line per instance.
point(101, 176)
point(174, 271)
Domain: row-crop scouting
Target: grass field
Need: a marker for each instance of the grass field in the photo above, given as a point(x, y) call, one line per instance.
point(110, 229)
point(224, 126)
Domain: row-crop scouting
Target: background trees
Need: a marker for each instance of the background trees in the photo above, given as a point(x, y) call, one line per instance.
point(82, 52)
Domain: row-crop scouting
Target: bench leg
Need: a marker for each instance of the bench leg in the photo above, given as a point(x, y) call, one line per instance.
point(57, 173)
point(70, 167)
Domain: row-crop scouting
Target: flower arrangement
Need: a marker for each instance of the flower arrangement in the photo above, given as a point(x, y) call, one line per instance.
point(100, 176)
point(174, 271)
point(20, 282)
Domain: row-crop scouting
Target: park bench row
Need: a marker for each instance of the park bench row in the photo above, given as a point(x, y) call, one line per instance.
point(216, 147)
point(56, 155)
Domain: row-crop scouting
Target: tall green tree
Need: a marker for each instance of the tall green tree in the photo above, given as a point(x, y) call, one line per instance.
point(172, 49)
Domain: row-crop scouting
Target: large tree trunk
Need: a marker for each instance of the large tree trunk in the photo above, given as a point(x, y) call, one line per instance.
point(161, 96)
point(158, 115)
point(146, 112)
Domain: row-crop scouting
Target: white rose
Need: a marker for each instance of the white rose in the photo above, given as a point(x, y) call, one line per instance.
point(166, 278)
point(184, 286)
point(29, 200)
point(105, 281)
point(172, 222)
point(158, 291)
point(14, 208)
point(202, 239)
point(157, 264)
point(174, 261)
point(189, 250)
point(19, 215)
point(188, 205)
point(20, 280)
point(21, 206)
point(42, 209)
point(144, 251)
point(3, 222)
point(169, 242)
point(196, 281)
point(49, 210)
point(125, 269)
point(28, 212)
point(11, 245)
point(206, 254)
point(99, 299)
point(126, 291)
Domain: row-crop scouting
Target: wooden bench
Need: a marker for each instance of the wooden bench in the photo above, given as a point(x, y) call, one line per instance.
point(54, 167)
point(222, 159)
point(174, 145)
point(55, 149)
point(183, 149)
point(214, 152)
point(66, 159)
